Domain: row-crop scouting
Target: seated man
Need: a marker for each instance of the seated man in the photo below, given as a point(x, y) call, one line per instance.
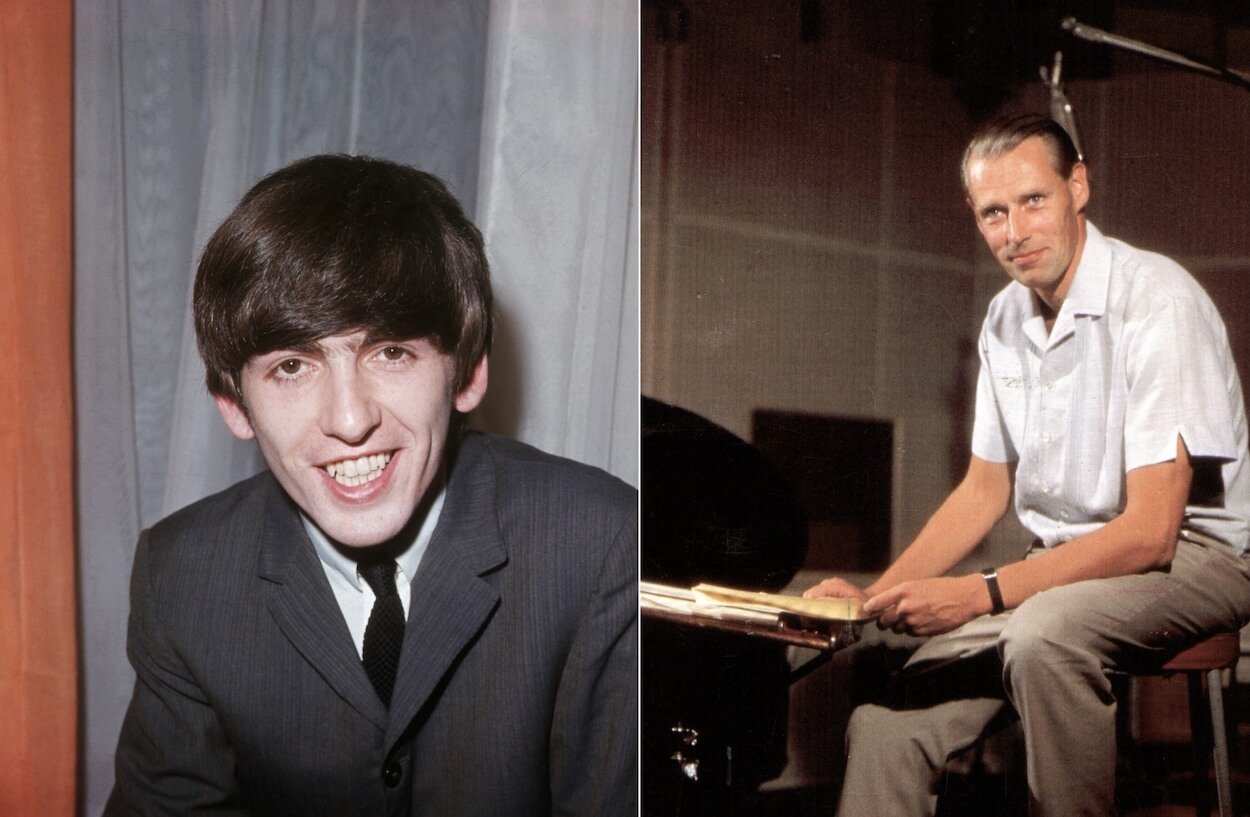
point(1109, 405)
point(399, 616)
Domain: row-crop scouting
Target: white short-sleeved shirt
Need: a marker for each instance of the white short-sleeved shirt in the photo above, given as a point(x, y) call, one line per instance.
point(1138, 356)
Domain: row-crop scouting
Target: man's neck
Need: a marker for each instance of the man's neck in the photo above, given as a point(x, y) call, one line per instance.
point(1050, 301)
point(1048, 312)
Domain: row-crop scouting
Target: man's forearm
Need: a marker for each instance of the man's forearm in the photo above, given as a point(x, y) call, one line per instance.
point(955, 529)
point(946, 538)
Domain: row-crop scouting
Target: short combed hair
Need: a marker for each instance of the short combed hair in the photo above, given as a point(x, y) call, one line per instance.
point(335, 244)
point(1005, 133)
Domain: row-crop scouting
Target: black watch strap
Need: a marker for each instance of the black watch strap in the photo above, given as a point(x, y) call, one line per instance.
point(991, 584)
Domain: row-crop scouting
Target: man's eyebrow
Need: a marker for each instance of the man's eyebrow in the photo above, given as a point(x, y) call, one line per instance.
point(374, 338)
point(306, 347)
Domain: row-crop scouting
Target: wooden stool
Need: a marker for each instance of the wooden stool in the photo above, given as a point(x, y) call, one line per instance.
point(1210, 741)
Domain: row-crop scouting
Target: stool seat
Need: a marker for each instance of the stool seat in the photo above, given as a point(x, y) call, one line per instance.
point(1207, 661)
point(1220, 651)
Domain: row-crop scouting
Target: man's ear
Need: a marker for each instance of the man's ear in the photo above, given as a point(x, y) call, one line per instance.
point(1078, 185)
point(471, 395)
point(234, 416)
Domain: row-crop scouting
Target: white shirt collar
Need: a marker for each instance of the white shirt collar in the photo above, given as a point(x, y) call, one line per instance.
point(1087, 295)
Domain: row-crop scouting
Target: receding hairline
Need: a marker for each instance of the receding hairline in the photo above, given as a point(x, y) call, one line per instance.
point(1001, 136)
point(990, 155)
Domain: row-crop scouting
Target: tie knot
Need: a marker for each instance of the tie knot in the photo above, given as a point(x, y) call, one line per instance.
point(380, 576)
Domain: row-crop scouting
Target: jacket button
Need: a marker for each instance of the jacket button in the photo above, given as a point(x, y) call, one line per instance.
point(392, 773)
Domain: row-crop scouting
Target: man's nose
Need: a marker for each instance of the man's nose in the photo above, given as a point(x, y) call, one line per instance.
point(350, 412)
point(1017, 229)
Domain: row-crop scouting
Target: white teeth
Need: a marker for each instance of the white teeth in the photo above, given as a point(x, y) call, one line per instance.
point(358, 471)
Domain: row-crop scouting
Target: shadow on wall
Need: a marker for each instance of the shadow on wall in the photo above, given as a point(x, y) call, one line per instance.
point(959, 401)
point(500, 412)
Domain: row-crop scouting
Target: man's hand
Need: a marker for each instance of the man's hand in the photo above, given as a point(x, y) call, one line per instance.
point(835, 588)
point(930, 606)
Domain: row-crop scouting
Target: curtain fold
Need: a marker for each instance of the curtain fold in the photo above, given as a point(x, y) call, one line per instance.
point(38, 658)
point(557, 194)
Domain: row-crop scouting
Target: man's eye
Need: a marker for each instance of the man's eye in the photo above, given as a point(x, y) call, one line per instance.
point(1036, 198)
point(292, 367)
point(393, 353)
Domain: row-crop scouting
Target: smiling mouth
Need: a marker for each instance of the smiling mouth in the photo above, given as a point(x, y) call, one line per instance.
point(353, 472)
point(1026, 257)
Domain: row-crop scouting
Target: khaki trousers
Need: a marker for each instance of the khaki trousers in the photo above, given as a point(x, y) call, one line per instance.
point(1055, 650)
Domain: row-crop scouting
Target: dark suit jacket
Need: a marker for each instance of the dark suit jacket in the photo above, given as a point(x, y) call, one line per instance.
point(517, 687)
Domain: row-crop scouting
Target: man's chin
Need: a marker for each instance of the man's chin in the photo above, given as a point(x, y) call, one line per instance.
point(352, 534)
point(1032, 277)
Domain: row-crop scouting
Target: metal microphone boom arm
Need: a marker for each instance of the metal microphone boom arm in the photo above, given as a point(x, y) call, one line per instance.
point(1060, 107)
point(1097, 35)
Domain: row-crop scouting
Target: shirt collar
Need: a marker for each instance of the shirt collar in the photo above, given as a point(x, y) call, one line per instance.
point(409, 559)
point(1086, 296)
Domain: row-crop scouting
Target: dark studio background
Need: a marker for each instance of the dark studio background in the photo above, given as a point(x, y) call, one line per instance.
point(807, 253)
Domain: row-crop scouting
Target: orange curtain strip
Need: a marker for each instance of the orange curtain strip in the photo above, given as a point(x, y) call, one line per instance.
point(38, 653)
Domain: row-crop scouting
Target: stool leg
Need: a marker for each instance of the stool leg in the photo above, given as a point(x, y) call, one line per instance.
point(1202, 740)
point(1223, 785)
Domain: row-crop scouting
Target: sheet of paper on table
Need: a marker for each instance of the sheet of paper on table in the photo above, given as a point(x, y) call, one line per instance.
point(728, 603)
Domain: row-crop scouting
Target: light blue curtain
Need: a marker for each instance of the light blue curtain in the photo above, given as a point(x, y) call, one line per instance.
point(525, 107)
point(557, 203)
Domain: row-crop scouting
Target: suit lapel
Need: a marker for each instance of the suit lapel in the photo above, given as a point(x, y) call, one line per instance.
point(450, 601)
point(304, 607)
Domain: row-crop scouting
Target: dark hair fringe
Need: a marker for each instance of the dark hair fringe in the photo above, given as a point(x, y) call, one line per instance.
point(333, 244)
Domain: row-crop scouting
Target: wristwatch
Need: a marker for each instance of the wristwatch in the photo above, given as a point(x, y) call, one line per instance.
point(991, 584)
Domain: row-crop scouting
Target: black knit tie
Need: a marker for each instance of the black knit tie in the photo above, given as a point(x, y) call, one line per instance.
point(384, 636)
